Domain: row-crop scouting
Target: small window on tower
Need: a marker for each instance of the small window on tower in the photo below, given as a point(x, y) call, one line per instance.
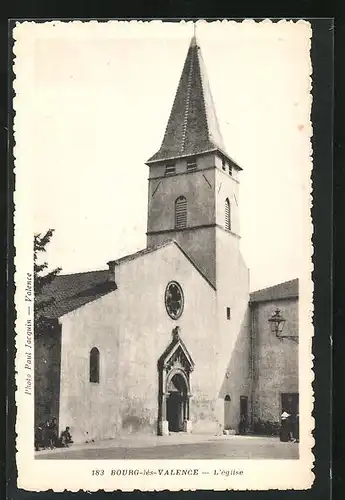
point(170, 169)
point(223, 164)
point(228, 313)
point(191, 164)
point(230, 170)
point(227, 215)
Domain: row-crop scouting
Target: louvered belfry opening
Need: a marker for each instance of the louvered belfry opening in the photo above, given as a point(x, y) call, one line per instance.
point(191, 164)
point(227, 215)
point(181, 212)
point(170, 169)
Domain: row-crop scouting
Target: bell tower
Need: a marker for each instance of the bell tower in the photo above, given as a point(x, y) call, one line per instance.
point(193, 182)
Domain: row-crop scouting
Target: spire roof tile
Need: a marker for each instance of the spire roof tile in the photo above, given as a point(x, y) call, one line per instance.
point(193, 126)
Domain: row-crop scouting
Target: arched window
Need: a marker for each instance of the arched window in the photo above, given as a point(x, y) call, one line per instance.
point(181, 212)
point(227, 215)
point(227, 412)
point(94, 365)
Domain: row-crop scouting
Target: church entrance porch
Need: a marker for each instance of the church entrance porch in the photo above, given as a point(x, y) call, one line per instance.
point(174, 368)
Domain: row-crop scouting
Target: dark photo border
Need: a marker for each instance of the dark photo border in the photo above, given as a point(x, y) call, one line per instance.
point(322, 214)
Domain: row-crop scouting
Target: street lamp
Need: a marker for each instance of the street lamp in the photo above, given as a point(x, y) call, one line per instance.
point(277, 323)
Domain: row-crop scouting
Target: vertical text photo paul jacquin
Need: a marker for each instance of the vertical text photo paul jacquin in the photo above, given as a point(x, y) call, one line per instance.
point(29, 336)
point(166, 169)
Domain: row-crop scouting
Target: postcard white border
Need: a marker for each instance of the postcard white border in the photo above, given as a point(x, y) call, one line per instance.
point(72, 475)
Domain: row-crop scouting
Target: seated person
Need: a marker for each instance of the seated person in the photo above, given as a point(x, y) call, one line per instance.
point(66, 438)
point(39, 438)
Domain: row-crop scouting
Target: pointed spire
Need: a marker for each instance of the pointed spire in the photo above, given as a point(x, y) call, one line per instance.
point(193, 42)
point(192, 126)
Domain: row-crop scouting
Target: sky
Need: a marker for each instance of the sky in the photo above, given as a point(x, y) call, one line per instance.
point(98, 99)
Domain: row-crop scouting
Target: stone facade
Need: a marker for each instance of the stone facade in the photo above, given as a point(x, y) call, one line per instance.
point(206, 189)
point(131, 329)
point(233, 361)
point(275, 361)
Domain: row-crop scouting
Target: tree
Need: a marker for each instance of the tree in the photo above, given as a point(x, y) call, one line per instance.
point(42, 278)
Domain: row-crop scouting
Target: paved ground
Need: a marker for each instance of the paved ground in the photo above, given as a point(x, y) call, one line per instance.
point(176, 447)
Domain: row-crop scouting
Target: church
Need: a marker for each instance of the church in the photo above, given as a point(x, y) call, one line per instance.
point(170, 339)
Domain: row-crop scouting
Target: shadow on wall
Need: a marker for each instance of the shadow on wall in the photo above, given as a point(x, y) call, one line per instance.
point(235, 389)
point(134, 424)
point(47, 373)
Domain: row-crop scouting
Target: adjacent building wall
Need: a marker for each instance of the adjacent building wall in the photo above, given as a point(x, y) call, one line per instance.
point(275, 361)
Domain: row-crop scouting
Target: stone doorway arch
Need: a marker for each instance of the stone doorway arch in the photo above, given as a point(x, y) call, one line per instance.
point(177, 401)
point(174, 369)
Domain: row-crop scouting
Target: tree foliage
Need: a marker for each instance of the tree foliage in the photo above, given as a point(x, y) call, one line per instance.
point(42, 278)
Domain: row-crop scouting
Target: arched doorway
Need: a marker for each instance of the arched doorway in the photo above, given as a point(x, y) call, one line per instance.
point(227, 412)
point(174, 368)
point(177, 403)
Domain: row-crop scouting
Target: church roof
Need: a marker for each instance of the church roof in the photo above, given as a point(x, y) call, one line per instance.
point(139, 253)
point(71, 291)
point(286, 290)
point(193, 125)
